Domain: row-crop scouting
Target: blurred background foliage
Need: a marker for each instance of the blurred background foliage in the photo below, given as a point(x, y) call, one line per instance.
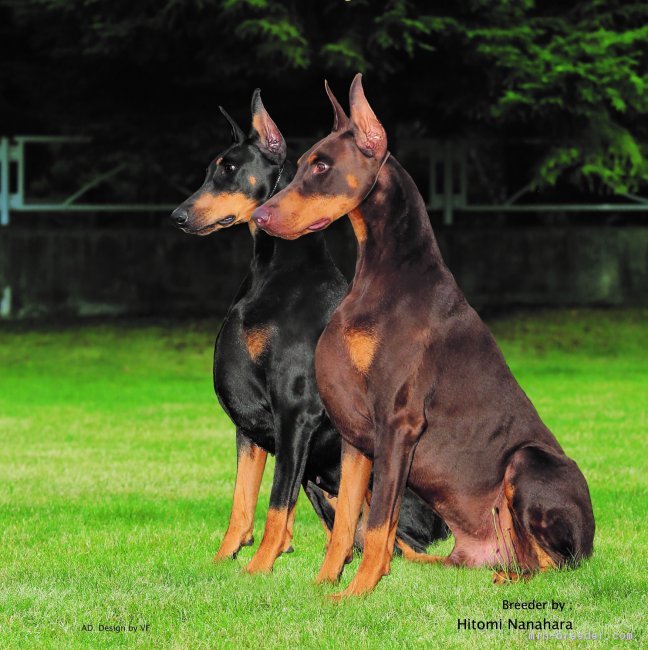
point(145, 78)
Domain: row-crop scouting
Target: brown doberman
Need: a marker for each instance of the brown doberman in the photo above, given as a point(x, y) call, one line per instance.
point(264, 372)
point(414, 380)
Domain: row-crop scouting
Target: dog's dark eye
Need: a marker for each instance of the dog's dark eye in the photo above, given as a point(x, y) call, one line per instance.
point(320, 167)
point(229, 168)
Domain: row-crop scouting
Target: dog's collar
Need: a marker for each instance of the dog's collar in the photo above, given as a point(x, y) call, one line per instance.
point(382, 164)
point(274, 189)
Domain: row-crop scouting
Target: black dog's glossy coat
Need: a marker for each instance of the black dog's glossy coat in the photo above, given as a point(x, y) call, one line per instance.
point(263, 366)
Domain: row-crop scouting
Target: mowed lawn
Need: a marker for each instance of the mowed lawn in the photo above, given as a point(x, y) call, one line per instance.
point(116, 474)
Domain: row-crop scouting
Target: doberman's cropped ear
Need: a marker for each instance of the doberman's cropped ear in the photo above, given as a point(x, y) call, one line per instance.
point(264, 132)
point(237, 132)
point(369, 134)
point(340, 119)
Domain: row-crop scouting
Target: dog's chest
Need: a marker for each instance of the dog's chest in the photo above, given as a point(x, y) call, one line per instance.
point(344, 357)
point(349, 346)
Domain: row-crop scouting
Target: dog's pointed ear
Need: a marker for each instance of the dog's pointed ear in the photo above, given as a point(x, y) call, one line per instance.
point(340, 119)
point(237, 132)
point(264, 132)
point(369, 134)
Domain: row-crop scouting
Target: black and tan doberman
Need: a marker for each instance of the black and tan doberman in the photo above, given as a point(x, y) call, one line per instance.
point(263, 365)
point(415, 382)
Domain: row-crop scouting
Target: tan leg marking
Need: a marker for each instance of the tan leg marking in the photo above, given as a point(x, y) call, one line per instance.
point(361, 529)
point(246, 491)
point(411, 555)
point(287, 546)
point(507, 577)
point(354, 480)
point(523, 573)
point(544, 559)
point(274, 540)
point(376, 561)
point(333, 502)
point(361, 345)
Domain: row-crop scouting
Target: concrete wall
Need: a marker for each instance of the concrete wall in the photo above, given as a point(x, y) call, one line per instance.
point(593, 266)
point(159, 271)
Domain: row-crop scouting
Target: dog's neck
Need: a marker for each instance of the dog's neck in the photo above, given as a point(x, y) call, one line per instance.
point(274, 252)
point(392, 226)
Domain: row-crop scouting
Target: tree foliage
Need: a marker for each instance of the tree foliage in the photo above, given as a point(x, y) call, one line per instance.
point(574, 72)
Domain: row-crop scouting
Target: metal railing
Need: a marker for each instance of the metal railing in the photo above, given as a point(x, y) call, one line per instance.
point(447, 167)
point(13, 150)
point(448, 189)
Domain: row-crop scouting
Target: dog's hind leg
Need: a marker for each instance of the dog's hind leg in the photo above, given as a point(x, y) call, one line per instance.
point(324, 505)
point(418, 557)
point(551, 509)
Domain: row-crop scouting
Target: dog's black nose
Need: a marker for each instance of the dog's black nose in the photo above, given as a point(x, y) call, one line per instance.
point(179, 216)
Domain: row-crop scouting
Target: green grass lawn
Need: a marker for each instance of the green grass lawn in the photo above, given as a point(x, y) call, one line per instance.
point(116, 475)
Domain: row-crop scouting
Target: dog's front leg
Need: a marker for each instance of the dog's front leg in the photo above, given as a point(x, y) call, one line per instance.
point(293, 447)
point(394, 452)
point(355, 473)
point(250, 463)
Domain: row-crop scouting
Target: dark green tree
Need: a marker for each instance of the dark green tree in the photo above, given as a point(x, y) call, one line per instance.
point(575, 73)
